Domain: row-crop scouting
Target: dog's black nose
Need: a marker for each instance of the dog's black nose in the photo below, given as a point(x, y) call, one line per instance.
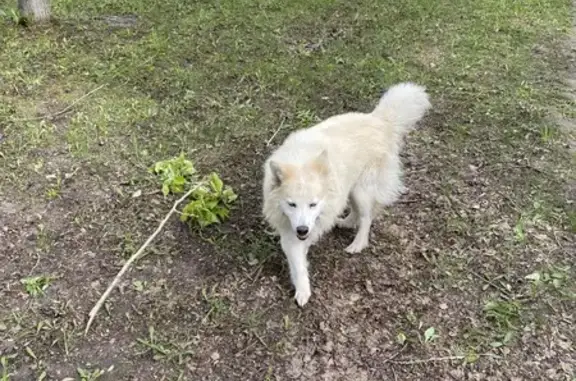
point(302, 230)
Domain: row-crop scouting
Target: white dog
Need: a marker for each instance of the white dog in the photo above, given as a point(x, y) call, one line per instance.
point(350, 158)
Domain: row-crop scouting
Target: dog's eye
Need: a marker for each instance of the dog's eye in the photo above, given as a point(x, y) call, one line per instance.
point(292, 204)
point(313, 205)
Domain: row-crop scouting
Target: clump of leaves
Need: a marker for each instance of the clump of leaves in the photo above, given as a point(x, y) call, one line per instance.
point(211, 202)
point(36, 285)
point(176, 174)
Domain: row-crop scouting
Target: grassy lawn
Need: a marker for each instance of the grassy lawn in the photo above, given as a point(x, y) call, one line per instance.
point(470, 276)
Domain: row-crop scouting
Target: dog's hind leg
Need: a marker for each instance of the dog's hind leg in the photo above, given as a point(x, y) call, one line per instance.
point(296, 252)
point(364, 202)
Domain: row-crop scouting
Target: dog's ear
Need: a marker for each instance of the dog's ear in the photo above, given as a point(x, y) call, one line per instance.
point(277, 173)
point(320, 163)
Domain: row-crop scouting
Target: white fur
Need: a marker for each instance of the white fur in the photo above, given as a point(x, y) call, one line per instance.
point(350, 158)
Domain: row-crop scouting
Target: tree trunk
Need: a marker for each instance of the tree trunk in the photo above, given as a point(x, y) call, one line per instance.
point(35, 10)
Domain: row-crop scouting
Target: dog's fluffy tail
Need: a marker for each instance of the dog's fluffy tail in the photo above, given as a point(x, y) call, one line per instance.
point(403, 105)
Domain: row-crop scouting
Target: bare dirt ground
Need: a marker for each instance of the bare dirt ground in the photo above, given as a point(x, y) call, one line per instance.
point(469, 277)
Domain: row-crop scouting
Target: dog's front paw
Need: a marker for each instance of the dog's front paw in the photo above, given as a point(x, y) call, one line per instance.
point(356, 246)
point(302, 295)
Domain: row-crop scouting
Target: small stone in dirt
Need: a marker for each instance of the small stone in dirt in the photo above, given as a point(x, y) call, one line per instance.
point(215, 356)
point(329, 346)
point(443, 306)
point(457, 374)
point(369, 287)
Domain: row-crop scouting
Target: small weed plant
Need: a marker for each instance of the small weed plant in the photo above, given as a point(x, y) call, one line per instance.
point(35, 286)
point(90, 374)
point(5, 374)
point(163, 350)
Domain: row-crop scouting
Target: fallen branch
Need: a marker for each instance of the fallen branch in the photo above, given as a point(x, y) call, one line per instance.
point(64, 110)
point(133, 258)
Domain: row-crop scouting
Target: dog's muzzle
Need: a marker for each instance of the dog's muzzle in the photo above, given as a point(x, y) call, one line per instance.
point(302, 232)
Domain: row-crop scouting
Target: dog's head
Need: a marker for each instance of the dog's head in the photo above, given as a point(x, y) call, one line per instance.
point(301, 191)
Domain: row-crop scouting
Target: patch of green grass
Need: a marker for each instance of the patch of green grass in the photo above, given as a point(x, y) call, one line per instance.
point(161, 97)
point(217, 306)
point(35, 286)
point(44, 239)
point(90, 374)
point(127, 245)
point(306, 118)
point(552, 278)
point(571, 217)
point(259, 249)
point(164, 350)
point(520, 230)
point(539, 217)
point(11, 14)
point(504, 315)
point(54, 190)
point(5, 373)
point(547, 133)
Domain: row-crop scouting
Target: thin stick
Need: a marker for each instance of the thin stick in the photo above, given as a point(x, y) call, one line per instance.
point(489, 282)
point(432, 359)
point(275, 133)
point(64, 110)
point(438, 359)
point(134, 257)
point(394, 355)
